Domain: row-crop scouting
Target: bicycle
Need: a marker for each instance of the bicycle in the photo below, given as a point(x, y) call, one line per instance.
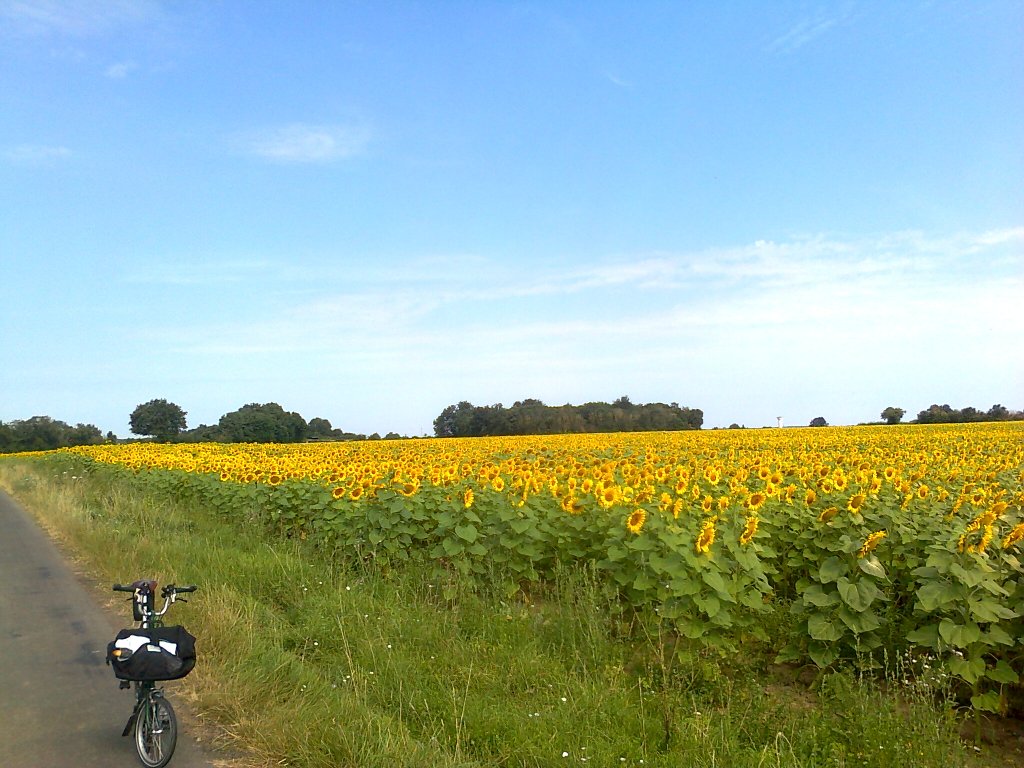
point(144, 655)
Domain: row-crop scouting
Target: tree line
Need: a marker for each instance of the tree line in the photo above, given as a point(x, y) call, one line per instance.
point(41, 433)
point(532, 417)
point(252, 423)
point(270, 423)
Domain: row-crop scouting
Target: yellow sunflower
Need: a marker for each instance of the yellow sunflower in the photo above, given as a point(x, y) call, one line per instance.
point(706, 537)
point(749, 530)
point(871, 543)
point(636, 520)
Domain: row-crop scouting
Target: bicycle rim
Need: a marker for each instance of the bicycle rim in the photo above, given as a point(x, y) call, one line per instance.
point(156, 732)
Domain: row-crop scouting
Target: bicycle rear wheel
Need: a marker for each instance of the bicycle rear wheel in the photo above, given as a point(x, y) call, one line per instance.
point(156, 731)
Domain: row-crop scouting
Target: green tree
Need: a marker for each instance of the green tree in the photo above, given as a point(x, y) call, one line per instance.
point(892, 415)
point(263, 423)
point(158, 418)
point(819, 421)
point(320, 428)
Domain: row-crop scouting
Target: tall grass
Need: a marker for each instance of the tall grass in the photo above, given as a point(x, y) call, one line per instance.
point(310, 661)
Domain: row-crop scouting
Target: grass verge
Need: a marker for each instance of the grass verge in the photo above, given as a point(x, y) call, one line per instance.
point(306, 661)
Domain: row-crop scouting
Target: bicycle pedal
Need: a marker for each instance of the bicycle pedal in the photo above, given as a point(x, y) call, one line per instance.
point(125, 684)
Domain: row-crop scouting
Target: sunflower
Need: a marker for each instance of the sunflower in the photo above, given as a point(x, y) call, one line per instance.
point(856, 502)
point(756, 500)
point(871, 543)
point(749, 530)
point(572, 505)
point(608, 496)
point(1017, 534)
point(706, 537)
point(922, 491)
point(827, 514)
point(467, 498)
point(409, 488)
point(986, 537)
point(498, 484)
point(636, 520)
point(338, 492)
point(810, 497)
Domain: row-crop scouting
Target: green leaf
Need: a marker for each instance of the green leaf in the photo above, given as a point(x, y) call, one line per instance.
point(936, 594)
point(816, 595)
point(710, 605)
point(690, 628)
point(996, 635)
point(520, 526)
point(986, 609)
point(970, 578)
point(1003, 673)
point(467, 533)
point(821, 654)
point(820, 627)
point(832, 569)
point(714, 580)
point(987, 702)
point(850, 594)
point(871, 566)
point(452, 548)
point(970, 670)
point(928, 636)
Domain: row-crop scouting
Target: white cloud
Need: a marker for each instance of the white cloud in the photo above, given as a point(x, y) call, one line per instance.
point(302, 143)
point(810, 322)
point(120, 70)
point(36, 154)
point(74, 18)
point(806, 30)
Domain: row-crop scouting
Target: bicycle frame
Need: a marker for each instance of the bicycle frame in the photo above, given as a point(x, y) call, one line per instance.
point(149, 699)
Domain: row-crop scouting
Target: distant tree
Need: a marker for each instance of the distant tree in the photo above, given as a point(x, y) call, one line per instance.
point(263, 423)
point(937, 414)
point(159, 419)
point(819, 421)
point(997, 413)
point(892, 415)
point(532, 417)
point(319, 428)
point(41, 433)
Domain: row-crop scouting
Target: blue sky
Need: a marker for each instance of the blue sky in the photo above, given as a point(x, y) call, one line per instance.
point(367, 211)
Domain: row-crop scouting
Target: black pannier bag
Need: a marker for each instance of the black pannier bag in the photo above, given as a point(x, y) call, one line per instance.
point(158, 653)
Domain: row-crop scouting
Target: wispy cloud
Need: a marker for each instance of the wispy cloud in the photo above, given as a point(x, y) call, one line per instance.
point(74, 18)
point(187, 272)
point(806, 30)
point(303, 143)
point(36, 154)
point(120, 70)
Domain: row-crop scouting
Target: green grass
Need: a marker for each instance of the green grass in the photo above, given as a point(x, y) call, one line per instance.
point(306, 661)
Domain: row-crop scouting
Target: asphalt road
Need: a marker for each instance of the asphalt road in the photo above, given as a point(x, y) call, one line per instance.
point(60, 704)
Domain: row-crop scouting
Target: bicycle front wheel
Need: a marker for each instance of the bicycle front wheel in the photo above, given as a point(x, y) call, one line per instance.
point(156, 731)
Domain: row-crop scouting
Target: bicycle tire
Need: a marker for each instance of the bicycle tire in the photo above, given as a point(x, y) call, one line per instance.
point(156, 731)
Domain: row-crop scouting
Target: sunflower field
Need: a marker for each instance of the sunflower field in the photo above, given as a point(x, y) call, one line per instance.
point(872, 540)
